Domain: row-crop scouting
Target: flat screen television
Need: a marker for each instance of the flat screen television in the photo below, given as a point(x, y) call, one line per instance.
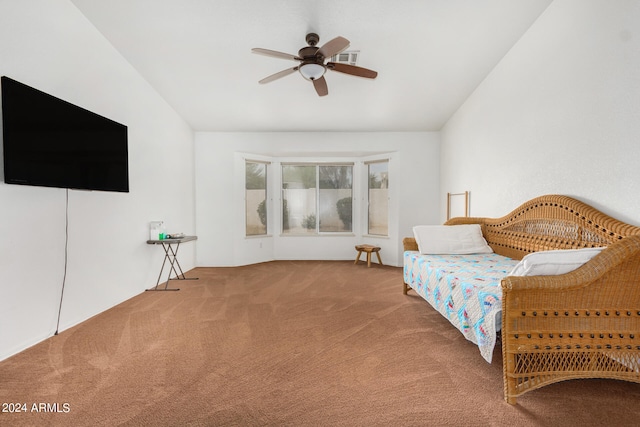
point(53, 143)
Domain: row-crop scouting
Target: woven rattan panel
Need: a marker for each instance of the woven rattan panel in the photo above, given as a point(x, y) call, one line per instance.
point(548, 223)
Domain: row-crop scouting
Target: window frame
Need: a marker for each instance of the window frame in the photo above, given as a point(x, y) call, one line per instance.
point(367, 224)
point(268, 204)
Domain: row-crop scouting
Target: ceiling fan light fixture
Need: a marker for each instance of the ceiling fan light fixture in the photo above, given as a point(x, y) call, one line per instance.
point(312, 71)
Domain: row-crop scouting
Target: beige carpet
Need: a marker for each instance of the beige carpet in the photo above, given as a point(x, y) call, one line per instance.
point(287, 343)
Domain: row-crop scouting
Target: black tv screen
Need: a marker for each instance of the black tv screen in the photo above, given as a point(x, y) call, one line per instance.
point(53, 143)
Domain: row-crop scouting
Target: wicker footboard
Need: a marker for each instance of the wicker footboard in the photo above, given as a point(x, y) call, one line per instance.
point(584, 324)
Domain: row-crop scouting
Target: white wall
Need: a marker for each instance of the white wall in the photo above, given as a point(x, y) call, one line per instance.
point(560, 114)
point(220, 191)
point(49, 45)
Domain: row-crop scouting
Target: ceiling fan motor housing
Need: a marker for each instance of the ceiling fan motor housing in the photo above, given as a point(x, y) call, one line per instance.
point(310, 53)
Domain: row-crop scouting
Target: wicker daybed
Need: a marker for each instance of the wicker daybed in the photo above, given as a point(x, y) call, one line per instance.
point(582, 324)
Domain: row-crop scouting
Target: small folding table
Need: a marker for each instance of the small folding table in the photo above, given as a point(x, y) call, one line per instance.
point(171, 247)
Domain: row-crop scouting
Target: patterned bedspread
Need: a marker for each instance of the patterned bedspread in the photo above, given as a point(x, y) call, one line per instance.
point(463, 288)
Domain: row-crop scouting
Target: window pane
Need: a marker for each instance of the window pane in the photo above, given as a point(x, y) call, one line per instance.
point(336, 197)
point(256, 198)
point(298, 199)
point(379, 198)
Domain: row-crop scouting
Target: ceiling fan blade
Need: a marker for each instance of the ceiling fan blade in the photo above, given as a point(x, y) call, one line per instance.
point(333, 47)
point(275, 54)
point(353, 70)
point(278, 75)
point(321, 86)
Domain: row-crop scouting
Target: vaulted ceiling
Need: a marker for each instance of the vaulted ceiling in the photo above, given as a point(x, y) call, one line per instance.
point(430, 55)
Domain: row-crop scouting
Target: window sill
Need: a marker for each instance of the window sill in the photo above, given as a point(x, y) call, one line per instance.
point(319, 235)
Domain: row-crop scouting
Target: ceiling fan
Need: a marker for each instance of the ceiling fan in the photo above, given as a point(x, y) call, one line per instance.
point(312, 66)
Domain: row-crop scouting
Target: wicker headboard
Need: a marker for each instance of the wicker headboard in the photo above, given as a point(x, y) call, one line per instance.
point(547, 223)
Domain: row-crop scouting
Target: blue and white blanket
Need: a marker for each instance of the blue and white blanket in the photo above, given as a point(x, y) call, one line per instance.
point(463, 288)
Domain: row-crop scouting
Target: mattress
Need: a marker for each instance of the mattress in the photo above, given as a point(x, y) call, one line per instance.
point(463, 288)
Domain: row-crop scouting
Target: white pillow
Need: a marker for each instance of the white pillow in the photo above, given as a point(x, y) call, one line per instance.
point(451, 239)
point(550, 263)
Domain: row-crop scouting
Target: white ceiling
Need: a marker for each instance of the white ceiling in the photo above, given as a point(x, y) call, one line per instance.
point(430, 55)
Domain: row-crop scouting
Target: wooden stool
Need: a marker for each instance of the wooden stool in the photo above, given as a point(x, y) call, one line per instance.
point(368, 249)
